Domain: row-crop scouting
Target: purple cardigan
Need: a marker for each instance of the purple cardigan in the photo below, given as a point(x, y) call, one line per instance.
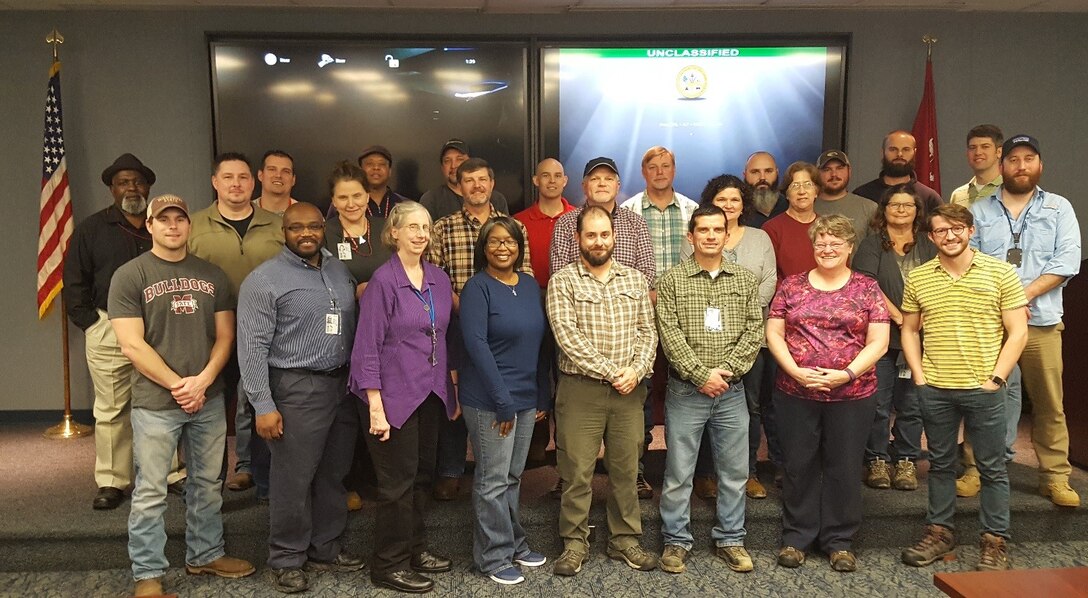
point(393, 341)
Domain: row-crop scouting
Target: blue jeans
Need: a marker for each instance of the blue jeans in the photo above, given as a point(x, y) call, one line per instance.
point(983, 417)
point(155, 436)
point(687, 413)
point(753, 382)
point(898, 393)
point(498, 537)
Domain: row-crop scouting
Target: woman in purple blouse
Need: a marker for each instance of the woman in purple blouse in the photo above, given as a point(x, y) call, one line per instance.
point(399, 370)
point(826, 329)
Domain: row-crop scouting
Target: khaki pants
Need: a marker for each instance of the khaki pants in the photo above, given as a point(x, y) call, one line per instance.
point(1041, 364)
point(587, 412)
point(111, 372)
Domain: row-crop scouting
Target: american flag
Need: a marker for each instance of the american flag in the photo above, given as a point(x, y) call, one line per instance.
point(55, 216)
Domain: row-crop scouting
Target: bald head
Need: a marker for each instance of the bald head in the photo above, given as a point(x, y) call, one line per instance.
point(301, 211)
point(550, 180)
point(898, 155)
point(760, 171)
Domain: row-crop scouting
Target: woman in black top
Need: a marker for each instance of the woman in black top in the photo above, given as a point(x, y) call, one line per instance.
point(353, 233)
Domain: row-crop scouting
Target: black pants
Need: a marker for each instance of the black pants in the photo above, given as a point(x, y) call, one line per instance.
point(823, 444)
point(307, 507)
point(404, 466)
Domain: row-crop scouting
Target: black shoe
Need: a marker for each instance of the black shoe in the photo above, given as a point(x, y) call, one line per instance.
point(289, 580)
point(107, 499)
point(177, 487)
point(343, 563)
point(425, 562)
point(403, 581)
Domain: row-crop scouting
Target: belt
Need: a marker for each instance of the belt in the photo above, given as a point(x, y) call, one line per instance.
point(333, 373)
point(590, 379)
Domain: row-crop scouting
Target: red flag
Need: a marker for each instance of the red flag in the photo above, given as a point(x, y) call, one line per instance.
point(55, 214)
point(927, 160)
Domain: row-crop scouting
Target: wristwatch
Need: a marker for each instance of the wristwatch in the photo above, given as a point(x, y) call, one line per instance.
point(998, 380)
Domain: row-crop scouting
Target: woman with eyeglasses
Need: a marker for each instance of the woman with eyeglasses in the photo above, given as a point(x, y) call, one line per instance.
point(896, 246)
point(789, 230)
point(502, 323)
point(353, 236)
point(826, 329)
point(399, 370)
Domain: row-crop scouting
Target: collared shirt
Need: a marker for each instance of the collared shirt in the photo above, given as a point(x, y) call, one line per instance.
point(292, 314)
point(963, 325)
point(690, 302)
point(602, 327)
point(394, 346)
point(668, 228)
point(972, 191)
point(540, 227)
point(453, 243)
point(100, 245)
point(1049, 242)
point(633, 246)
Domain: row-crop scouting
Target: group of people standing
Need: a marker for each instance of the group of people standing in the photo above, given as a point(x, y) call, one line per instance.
point(796, 307)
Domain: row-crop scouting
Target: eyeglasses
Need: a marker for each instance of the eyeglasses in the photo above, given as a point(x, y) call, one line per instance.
point(943, 231)
point(902, 206)
point(313, 227)
point(806, 185)
point(834, 245)
point(507, 243)
point(419, 228)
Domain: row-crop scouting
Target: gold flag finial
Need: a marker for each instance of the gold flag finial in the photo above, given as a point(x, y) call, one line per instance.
point(55, 39)
point(929, 39)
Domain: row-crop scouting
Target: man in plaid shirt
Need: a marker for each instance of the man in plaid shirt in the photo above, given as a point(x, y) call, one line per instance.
point(453, 240)
point(710, 317)
point(601, 315)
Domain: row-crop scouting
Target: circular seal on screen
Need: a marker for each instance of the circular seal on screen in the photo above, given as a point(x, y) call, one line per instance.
point(691, 82)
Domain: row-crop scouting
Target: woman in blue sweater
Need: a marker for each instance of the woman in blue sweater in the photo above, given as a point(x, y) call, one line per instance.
point(502, 323)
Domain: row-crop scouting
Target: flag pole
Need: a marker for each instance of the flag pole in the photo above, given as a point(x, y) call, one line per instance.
point(68, 427)
point(929, 39)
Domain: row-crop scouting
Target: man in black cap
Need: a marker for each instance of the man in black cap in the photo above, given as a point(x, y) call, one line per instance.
point(101, 244)
point(445, 199)
point(377, 162)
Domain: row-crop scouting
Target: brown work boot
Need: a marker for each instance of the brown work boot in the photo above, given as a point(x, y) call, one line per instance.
point(224, 566)
point(994, 553)
point(906, 477)
point(644, 489)
point(879, 476)
point(1061, 494)
point(673, 559)
point(937, 542)
point(753, 488)
point(149, 587)
point(968, 484)
point(446, 488)
point(240, 481)
point(706, 487)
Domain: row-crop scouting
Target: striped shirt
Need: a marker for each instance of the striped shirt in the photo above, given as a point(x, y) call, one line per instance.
point(685, 296)
point(602, 327)
point(633, 247)
point(453, 242)
point(963, 326)
point(285, 308)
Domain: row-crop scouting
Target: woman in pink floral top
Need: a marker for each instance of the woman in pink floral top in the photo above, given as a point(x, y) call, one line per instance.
point(826, 329)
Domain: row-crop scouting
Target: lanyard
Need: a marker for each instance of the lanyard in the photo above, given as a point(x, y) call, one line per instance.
point(1008, 218)
point(428, 304)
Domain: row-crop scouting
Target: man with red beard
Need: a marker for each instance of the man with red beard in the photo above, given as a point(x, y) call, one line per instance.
point(897, 168)
point(834, 168)
point(1037, 232)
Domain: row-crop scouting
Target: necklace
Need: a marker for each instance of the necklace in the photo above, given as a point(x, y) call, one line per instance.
point(360, 244)
point(513, 287)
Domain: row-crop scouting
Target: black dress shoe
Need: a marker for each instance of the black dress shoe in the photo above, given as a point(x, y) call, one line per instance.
point(107, 498)
point(343, 563)
point(425, 562)
point(177, 488)
point(403, 581)
point(289, 580)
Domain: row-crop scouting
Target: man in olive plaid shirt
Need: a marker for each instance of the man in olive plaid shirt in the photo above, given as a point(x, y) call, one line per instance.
point(710, 318)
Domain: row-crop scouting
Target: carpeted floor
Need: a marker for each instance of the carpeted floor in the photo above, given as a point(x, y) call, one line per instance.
point(53, 544)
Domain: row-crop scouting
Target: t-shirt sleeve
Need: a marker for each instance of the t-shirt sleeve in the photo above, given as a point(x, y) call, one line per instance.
point(126, 296)
point(910, 298)
point(778, 304)
point(874, 299)
point(1012, 291)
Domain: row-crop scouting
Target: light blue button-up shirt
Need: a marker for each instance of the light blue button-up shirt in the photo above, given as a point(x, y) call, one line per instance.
point(1050, 243)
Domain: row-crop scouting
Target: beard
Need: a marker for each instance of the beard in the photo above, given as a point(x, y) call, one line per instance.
point(764, 199)
point(596, 257)
point(1020, 187)
point(134, 204)
point(893, 169)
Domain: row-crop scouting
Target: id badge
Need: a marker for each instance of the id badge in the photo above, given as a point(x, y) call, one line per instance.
point(904, 373)
point(713, 319)
point(332, 322)
point(1014, 256)
point(343, 251)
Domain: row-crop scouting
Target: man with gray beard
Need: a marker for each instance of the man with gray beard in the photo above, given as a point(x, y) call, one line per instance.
point(99, 246)
point(761, 173)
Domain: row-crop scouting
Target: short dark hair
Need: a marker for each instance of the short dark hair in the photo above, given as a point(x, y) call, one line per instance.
point(472, 165)
point(704, 210)
point(727, 181)
point(277, 152)
point(479, 254)
point(951, 212)
point(346, 171)
point(990, 131)
point(593, 210)
point(230, 157)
